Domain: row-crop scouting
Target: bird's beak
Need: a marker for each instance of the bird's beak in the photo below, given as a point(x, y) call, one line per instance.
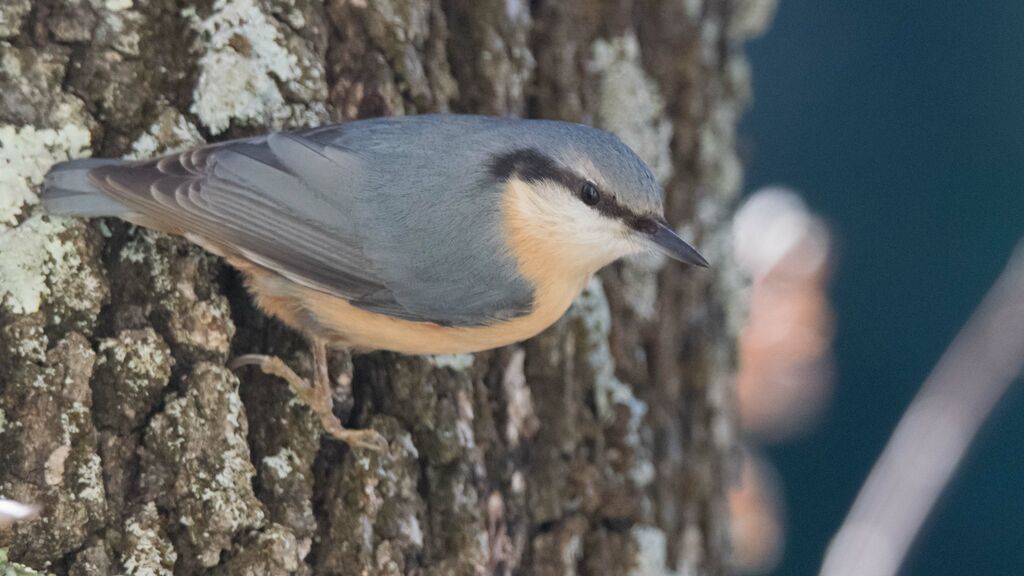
point(670, 244)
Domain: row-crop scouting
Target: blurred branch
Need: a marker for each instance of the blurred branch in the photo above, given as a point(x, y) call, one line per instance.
point(934, 434)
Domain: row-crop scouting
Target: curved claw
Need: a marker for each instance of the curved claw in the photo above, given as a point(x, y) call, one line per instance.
point(246, 360)
point(367, 439)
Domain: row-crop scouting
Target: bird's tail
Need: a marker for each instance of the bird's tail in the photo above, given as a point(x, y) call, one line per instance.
point(67, 191)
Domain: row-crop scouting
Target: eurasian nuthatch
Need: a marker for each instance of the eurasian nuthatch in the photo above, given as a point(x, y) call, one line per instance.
point(422, 234)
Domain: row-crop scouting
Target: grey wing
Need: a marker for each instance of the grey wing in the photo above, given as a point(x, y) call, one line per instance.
point(285, 202)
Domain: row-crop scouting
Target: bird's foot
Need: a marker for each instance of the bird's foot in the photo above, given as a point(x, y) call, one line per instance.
point(367, 438)
point(317, 397)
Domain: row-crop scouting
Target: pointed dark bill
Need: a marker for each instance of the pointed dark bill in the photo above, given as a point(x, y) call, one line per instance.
point(670, 244)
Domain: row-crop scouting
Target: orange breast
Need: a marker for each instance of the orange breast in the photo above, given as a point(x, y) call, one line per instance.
point(347, 325)
point(557, 280)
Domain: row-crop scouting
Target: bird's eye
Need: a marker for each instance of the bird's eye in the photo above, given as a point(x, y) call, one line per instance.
point(589, 193)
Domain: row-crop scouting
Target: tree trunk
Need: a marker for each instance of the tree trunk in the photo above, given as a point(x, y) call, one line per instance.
point(602, 446)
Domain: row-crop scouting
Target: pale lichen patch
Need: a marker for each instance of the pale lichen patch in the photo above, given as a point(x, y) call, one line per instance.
point(207, 327)
point(42, 255)
point(235, 467)
point(31, 252)
point(143, 248)
point(131, 370)
point(203, 474)
point(171, 131)
point(456, 362)
point(640, 283)
point(117, 5)
point(522, 420)
point(12, 13)
point(721, 162)
point(146, 358)
point(26, 153)
point(147, 553)
point(247, 62)
point(26, 341)
point(73, 420)
point(650, 558)
point(281, 464)
point(631, 107)
point(609, 391)
point(89, 480)
point(77, 283)
point(591, 307)
point(123, 26)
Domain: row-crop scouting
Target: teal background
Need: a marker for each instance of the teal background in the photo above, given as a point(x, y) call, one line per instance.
point(902, 123)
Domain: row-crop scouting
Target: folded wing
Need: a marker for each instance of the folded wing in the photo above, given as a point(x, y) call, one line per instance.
point(282, 201)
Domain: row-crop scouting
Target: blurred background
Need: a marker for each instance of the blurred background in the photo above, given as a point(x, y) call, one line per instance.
point(901, 125)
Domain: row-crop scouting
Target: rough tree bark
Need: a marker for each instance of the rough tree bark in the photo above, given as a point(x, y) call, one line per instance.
point(603, 446)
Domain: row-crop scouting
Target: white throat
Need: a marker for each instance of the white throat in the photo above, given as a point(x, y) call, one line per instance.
point(575, 235)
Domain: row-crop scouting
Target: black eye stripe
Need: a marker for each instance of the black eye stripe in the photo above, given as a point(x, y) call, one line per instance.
point(533, 166)
point(645, 225)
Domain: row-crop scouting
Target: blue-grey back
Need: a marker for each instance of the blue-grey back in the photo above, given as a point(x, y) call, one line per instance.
point(430, 207)
point(429, 212)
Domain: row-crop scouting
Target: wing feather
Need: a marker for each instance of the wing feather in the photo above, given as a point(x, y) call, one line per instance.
point(249, 197)
point(372, 212)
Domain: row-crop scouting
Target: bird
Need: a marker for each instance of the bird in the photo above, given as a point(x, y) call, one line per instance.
point(424, 234)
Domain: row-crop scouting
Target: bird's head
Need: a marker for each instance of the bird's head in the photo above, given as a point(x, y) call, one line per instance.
point(586, 199)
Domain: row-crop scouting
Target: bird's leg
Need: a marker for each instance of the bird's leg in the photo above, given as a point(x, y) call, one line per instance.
point(323, 404)
point(317, 396)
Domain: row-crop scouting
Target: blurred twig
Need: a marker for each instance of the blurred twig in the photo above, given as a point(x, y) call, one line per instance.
point(933, 435)
point(11, 511)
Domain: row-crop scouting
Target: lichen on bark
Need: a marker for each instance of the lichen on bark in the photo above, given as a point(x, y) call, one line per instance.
point(601, 446)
